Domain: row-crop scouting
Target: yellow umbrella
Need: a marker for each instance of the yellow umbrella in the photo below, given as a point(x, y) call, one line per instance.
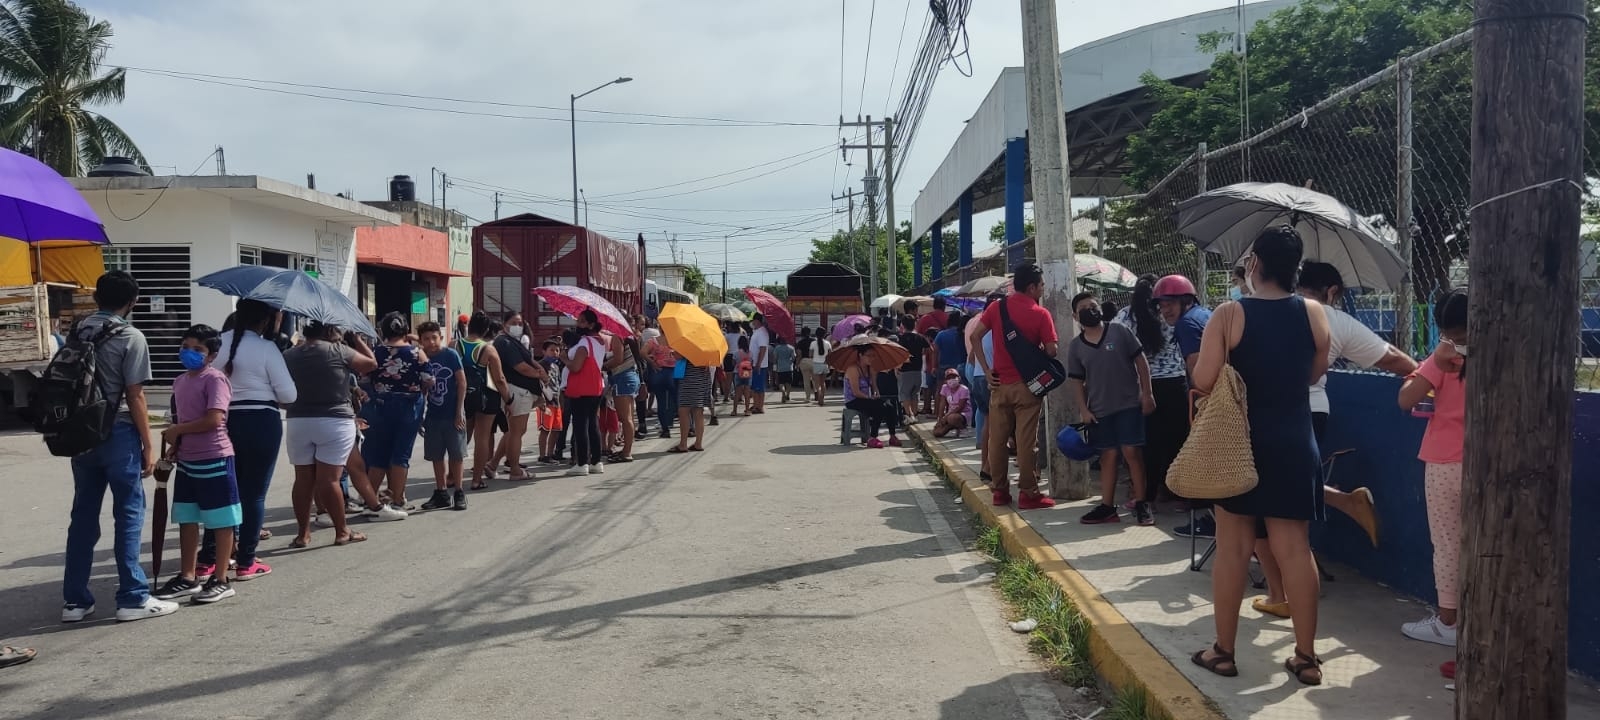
point(693, 333)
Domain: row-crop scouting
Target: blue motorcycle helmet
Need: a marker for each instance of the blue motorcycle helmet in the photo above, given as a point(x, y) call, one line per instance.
point(1073, 442)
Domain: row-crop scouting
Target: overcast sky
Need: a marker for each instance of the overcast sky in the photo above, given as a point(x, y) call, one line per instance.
point(753, 60)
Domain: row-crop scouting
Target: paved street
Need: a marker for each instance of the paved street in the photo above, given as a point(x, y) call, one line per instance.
point(776, 575)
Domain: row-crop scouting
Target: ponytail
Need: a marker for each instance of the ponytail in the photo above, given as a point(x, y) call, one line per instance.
point(251, 316)
point(233, 350)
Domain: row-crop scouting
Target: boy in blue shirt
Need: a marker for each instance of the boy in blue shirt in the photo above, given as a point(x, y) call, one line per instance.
point(444, 425)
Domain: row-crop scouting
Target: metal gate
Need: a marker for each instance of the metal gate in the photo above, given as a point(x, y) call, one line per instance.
point(164, 310)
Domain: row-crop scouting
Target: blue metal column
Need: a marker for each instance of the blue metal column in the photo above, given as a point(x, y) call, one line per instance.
point(916, 262)
point(1016, 175)
point(964, 227)
point(938, 252)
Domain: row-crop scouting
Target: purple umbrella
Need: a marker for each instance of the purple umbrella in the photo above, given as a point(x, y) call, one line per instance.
point(846, 328)
point(38, 206)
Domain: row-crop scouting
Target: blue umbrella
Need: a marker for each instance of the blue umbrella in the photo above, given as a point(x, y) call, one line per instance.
point(292, 291)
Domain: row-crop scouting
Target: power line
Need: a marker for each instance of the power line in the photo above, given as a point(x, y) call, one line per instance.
point(867, 62)
point(829, 148)
point(725, 123)
point(899, 48)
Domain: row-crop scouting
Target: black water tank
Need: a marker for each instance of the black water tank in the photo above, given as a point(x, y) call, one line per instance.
point(402, 189)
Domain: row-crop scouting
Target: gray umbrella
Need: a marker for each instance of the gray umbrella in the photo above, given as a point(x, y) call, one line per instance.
point(1228, 219)
point(291, 291)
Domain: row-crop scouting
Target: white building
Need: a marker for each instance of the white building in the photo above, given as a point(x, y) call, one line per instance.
point(169, 230)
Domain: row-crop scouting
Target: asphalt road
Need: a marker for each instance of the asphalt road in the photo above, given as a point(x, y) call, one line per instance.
point(776, 575)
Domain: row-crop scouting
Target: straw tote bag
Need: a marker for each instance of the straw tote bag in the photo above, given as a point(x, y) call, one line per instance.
point(1216, 461)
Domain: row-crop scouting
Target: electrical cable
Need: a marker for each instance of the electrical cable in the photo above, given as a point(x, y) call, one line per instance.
point(866, 63)
point(723, 123)
point(159, 195)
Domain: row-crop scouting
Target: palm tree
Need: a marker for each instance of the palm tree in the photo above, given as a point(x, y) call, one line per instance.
point(50, 55)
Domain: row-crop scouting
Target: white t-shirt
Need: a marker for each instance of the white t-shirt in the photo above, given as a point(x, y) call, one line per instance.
point(819, 353)
point(733, 341)
point(1349, 339)
point(759, 339)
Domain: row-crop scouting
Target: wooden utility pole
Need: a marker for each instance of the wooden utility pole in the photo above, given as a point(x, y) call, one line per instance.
point(1052, 203)
point(1527, 153)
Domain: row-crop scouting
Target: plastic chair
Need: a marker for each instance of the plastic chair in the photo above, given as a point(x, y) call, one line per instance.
point(847, 418)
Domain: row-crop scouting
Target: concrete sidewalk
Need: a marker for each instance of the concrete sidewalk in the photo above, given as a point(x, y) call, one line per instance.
point(1371, 670)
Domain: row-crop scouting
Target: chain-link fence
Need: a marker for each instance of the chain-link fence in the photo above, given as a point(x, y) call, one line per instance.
point(1396, 148)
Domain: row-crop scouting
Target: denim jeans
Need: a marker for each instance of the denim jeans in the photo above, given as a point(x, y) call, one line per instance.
point(665, 388)
point(257, 436)
point(115, 464)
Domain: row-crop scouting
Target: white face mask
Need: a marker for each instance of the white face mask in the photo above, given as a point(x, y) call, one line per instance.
point(514, 330)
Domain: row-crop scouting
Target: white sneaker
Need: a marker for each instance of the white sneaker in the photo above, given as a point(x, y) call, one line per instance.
point(577, 470)
point(152, 608)
point(322, 520)
point(597, 469)
point(387, 513)
point(75, 613)
point(1432, 630)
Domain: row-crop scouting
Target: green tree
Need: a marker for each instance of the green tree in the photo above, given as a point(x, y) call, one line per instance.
point(1302, 55)
point(694, 280)
point(840, 247)
point(50, 73)
point(780, 292)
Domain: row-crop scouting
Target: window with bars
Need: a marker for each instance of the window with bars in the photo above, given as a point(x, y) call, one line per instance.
point(276, 258)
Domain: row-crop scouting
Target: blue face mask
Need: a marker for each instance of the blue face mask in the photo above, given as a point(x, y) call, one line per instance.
point(192, 359)
point(1235, 293)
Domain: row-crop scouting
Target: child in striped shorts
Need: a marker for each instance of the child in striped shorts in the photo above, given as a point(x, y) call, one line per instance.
point(205, 492)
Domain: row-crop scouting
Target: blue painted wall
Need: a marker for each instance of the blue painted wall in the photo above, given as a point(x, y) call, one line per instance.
point(1365, 417)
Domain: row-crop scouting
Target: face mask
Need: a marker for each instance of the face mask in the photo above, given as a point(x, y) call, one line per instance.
point(1235, 294)
point(514, 330)
point(953, 383)
point(1090, 317)
point(192, 359)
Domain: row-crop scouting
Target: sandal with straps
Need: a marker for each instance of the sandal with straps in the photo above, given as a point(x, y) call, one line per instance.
point(1301, 664)
point(1219, 658)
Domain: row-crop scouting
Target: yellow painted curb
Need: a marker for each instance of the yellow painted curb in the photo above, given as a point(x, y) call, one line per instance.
point(1119, 651)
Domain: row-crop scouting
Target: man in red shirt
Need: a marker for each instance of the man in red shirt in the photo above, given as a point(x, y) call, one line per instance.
point(1013, 409)
point(936, 320)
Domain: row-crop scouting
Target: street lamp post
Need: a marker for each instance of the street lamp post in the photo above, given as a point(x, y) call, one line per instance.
point(572, 110)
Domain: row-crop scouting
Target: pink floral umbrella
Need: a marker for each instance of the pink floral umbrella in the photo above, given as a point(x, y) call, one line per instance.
point(779, 321)
point(571, 301)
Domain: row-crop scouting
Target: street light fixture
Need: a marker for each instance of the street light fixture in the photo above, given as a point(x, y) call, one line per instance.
point(572, 109)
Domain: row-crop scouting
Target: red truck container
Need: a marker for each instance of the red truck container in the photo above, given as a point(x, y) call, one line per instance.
point(513, 256)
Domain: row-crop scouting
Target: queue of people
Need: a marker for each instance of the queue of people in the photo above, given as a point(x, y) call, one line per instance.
point(1130, 372)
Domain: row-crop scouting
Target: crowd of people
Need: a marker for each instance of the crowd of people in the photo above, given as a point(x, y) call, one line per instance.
point(1130, 373)
point(349, 409)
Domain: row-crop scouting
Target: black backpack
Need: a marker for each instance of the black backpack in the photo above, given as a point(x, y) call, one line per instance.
point(73, 413)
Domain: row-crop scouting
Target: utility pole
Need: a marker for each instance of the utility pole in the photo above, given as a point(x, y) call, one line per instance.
point(724, 269)
point(871, 183)
point(850, 215)
point(222, 162)
point(1052, 203)
point(444, 194)
point(1527, 194)
point(497, 206)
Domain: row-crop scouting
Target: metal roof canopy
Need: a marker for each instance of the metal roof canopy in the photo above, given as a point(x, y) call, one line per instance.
point(1106, 101)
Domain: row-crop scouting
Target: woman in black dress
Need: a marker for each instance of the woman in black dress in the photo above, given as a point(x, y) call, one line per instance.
point(1278, 342)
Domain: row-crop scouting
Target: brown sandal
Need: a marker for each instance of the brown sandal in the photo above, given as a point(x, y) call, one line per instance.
point(1301, 664)
point(1214, 665)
